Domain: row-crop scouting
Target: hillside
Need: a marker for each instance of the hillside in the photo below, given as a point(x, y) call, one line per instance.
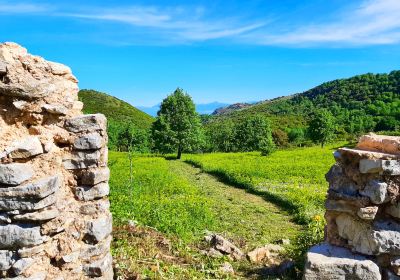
point(113, 108)
point(361, 103)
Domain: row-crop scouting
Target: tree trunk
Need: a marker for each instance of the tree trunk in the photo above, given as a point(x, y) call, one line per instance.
point(179, 152)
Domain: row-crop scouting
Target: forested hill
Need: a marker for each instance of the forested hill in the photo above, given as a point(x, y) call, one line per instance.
point(369, 102)
point(114, 109)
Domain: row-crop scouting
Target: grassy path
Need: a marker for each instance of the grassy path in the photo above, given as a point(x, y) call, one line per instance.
point(247, 219)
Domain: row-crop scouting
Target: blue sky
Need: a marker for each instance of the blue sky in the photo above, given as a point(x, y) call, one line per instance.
point(228, 51)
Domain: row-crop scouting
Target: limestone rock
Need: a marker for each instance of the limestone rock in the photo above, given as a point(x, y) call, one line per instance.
point(26, 148)
point(225, 246)
point(91, 141)
point(95, 176)
point(268, 251)
point(227, 268)
point(82, 160)
point(7, 259)
point(89, 123)
point(21, 105)
point(17, 236)
point(330, 262)
point(367, 213)
point(339, 182)
point(89, 251)
point(21, 265)
point(38, 189)
point(28, 204)
point(99, 229)
point(98, 268)
point(386, 144)
point(87, 193)
point(376, 191)
point(340, 206)
point(55, 109)
point(15, 173)
point(98, 206)
point(393, 210)
point(3, 68)
point(386, 167)
point(395, 264)
point(42, 215)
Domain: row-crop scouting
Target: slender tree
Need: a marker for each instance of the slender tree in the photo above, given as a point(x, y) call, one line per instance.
point(322, 127)
point(178, 126)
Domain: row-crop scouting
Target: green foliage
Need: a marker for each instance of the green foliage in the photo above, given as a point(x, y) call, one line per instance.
point(322, 127)
point(114, 109)
point(359, 104)
point(127, 126)
point(280, 137)
point(157, 198)
point(177, 127)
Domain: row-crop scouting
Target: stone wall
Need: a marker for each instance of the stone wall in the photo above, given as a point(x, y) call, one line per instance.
point(55, 221)
point(362, 236)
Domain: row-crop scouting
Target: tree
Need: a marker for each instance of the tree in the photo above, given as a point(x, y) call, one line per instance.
point(254, 134)
point(322, 127)
point(280, 137)
point(177, 127)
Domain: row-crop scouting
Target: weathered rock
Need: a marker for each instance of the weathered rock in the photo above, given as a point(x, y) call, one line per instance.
point(7, 259)
point(358, 154)
point(91, 141)
point(55, 109)
point(386, 167)
point(388, 275)
point(28, 204)
point(226, 268)
point(99, 229)
point(380, 143)
point(36, 276)
point(339, 182)
point(70, 258)
point(41, 215)
point(87, 193)
point(89, 251)
point(5, 218)
point(330, 262)
point(3, 68)
point(225, 246)
point(376, 191)
point(393, 210)
point(268, 251)
point(15, 173)
point(21, 265)
point(82, 160)
point(98, 206)
point(39, 189)
point(17, 236)
point(367, 213)
point(395, 264)
point(340, 206)
point(95, 176)
point(89, 123)
point(98, 268)
point(26, 148)
point(21, 105)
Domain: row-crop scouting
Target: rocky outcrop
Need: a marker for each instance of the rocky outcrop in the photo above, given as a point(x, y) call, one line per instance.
point(55, 221)
point(362, 212)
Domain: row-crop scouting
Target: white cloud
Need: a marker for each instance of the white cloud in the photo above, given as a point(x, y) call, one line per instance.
point(371, 23)
point(21, 8)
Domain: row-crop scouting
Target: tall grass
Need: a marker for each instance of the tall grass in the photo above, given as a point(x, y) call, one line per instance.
point(157, 198)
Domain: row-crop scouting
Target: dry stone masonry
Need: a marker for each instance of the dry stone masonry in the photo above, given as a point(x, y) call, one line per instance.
point(55, 221)
point(362, 236)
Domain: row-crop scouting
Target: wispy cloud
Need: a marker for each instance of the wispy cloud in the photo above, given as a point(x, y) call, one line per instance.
point(371, 23)
point(7, 7)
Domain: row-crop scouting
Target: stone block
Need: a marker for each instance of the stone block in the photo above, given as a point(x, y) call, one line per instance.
point(7, 259)
point(3, 68)
point(87, 193)
point(82, 160)
point(95, 176)
point(367, 213)
point(98, 268)
point(325, 261)
point(25, 148)
point(55, 109)
point(380, 143)
point(91, 141)
point(376, 191)
point(28, 204)
point(393, 210)
point(15, 173)
point(19, 235)
point(98, 229)
point(385, 167)
point(339, 182)
point(87, 123)
point(89, 251)
point(21, 265)
point(93, 207)
point(38, 189)
point(41, 215)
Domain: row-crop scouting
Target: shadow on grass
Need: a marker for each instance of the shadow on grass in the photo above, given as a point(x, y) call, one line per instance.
point(270, 197)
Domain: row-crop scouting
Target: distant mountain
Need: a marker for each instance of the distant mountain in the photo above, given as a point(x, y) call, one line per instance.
point(368, 102)
point(113, 108)
point(230, 108)
point(202, 109)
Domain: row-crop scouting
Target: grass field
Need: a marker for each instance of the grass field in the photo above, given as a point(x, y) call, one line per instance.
point(251, 200)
